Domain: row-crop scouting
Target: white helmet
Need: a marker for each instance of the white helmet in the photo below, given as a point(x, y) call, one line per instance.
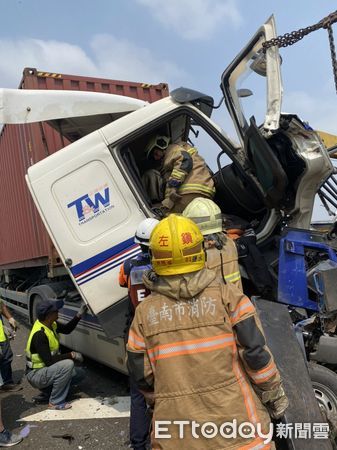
point(144, 230)
point(161, 142)
point(206, 214)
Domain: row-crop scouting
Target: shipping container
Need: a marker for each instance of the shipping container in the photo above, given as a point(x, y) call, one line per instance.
point(24, 242)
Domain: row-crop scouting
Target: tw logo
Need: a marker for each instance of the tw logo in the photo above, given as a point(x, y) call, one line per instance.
point(85, 204)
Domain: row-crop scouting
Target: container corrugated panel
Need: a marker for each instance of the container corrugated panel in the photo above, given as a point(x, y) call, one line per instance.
point(24, 241)
point(35, 79)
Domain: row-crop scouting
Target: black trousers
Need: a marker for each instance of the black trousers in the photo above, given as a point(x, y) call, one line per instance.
point(140, 419)
point(6, 358)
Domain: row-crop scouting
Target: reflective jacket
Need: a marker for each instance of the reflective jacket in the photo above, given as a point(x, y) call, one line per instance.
point(3, 336)
point(198, 344)
point(34, 361)
point(131, 276)
point(225, 263)
point(184, 171)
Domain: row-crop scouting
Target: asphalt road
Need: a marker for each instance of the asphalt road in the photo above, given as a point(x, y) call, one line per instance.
point(102, 385)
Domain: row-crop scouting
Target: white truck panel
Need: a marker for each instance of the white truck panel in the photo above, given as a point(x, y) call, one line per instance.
point(91, 216)
point(30, 105)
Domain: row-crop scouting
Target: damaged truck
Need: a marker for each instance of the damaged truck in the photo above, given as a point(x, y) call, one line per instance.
point(91, 198)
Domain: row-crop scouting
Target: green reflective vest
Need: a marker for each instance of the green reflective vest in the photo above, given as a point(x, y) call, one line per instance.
point(3, 337)
point(33, 359)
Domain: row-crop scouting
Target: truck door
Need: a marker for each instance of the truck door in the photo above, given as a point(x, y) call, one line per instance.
point(284, 158)
point(255, 73)
point(91, 216)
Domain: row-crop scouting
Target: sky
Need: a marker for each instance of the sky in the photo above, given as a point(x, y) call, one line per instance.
point(182, 42)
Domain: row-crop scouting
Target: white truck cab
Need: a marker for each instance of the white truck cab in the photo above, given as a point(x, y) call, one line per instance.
point(90, 194)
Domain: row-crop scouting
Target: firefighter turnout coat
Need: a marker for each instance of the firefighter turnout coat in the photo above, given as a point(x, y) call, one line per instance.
point(225, 262)
point(185, 172)
point(198, 344)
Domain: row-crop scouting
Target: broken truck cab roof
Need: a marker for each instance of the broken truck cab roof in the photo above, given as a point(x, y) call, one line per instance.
point(70, 112)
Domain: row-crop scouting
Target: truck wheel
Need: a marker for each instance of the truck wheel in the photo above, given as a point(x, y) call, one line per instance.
point(324, 383)
point(37, 299)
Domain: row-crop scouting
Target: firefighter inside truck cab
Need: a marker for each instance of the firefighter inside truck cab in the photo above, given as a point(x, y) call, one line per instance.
point(184, 173)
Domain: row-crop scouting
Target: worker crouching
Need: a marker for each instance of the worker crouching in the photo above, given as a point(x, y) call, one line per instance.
point(185, 349)
point(48, 369)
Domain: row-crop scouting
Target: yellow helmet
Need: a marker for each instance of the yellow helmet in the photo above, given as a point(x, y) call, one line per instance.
point(206, 214)
point(176, 246)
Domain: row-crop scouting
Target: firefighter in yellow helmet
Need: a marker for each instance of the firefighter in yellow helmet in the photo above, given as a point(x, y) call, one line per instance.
point(185, 346)
point(184, 173)
point(222, 255)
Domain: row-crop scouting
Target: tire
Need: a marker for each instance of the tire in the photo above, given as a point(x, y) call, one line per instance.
point(324, 383)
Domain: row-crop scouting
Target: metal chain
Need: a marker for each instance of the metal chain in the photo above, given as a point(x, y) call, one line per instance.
point(333, 53)
point(288, 39)
point(295, 36)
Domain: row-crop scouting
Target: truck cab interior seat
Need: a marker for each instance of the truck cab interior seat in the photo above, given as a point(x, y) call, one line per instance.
point(130, 161)
point(132, 167)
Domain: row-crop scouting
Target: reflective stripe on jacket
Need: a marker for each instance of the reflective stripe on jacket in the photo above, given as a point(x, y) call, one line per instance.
point(228, 259)
point(197, 342)
point(186, 172)
point(33, 360)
